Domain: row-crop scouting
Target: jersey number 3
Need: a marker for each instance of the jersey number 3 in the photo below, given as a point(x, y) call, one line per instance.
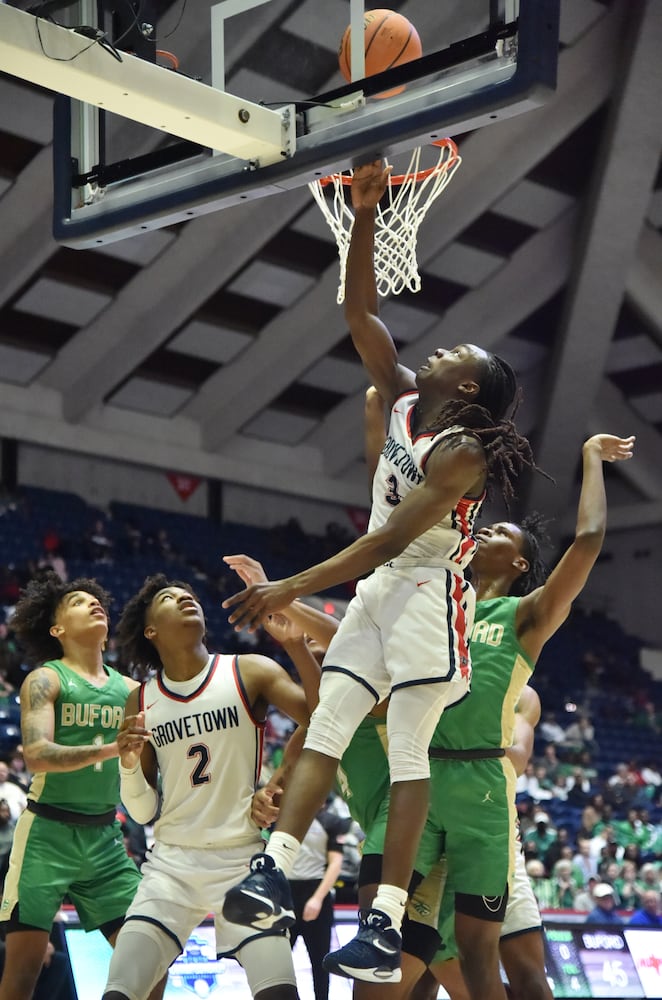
point(392, 496)
point(199, 774)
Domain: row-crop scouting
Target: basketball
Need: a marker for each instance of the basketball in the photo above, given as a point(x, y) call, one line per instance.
point(390, 40)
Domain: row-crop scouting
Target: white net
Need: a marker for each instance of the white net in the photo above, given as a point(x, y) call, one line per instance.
point(407, 198)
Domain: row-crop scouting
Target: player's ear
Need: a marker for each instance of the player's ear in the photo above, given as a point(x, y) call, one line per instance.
point(149, 632)
point(469, 389)
point(521, 564)
point(56, 630)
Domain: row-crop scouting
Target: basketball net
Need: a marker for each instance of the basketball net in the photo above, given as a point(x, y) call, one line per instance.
point(406, 200)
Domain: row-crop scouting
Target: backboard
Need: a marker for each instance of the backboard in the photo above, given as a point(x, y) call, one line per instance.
point(276, 116)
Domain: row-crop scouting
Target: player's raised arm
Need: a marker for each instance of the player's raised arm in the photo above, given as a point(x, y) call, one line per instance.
point(292, 638)
point(454, 470)
point(542, 612)
point(370, 336)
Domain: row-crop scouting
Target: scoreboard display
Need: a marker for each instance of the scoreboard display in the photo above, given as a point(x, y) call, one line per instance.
point(593, 960)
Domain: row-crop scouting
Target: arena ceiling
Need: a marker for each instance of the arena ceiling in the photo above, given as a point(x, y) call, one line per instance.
point(216, 347)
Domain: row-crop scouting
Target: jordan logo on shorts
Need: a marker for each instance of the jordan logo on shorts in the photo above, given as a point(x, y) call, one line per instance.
point(488, 797)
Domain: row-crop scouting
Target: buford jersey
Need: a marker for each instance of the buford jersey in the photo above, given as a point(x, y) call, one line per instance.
point(84, 715)
point(401, 466)
point(501, 669)
point(209, 752)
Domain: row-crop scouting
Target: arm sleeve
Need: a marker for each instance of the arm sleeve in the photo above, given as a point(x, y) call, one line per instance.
point(137, 794)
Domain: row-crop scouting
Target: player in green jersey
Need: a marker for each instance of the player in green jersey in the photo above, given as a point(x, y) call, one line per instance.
point(68, 841)
point(521, 941)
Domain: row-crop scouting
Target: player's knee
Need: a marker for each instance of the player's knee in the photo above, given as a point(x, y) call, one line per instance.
point(336, 717)
point(422, 941)
point(267, 962)
point(143, 954)
point(408, 757)
point(325, 734)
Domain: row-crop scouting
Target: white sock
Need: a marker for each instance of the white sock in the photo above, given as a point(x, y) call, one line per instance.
point(392, 901)
point(283, 848)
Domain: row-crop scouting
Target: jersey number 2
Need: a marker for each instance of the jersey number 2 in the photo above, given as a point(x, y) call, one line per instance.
point(199, 775)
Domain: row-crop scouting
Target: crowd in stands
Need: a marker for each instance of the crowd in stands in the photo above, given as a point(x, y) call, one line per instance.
point(590, 801)
point(591, 834)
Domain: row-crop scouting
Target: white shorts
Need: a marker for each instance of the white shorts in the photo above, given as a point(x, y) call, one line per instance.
point(406, 625)
point(522, 913)
point(182, 885)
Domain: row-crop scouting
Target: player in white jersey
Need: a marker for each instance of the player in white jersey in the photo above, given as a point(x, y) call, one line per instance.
point(405, 631)
point(198, 722)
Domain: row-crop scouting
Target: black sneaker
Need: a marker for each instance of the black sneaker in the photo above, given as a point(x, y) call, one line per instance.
point(373, 955)
point(263, 900)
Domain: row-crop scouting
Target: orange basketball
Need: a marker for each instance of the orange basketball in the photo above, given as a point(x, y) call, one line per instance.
point(390, 40)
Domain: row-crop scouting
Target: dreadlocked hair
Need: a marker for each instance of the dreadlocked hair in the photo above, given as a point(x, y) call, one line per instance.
point(136, 649)
point(507, 452)
point(36, 609)
point(534, 538)
point(490, 418)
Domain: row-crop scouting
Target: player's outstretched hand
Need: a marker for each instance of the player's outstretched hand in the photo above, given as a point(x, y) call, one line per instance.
point(250, 570)
point(612, 448)
point(131, 739)
point(253, 605)
point(369, 183)
point(278, 625)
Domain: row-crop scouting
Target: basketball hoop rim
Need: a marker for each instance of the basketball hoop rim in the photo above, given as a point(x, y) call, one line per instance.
point(399, 179)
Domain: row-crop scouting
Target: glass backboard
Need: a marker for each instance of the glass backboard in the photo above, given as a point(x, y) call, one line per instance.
point(274, 70)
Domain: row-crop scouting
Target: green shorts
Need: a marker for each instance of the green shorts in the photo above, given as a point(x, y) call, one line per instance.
point(50, 860)
point(446, 928)
point(430, 848)
point(472, 812)
point(363, 773)
point(471, 820)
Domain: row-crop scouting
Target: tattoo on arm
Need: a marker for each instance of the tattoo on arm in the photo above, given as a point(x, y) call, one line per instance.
point(54, 756)
point(69, 758)
point(41, 691)
point(37, 733)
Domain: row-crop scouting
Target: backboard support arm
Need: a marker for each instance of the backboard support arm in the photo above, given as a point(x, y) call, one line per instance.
point(69, 63)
